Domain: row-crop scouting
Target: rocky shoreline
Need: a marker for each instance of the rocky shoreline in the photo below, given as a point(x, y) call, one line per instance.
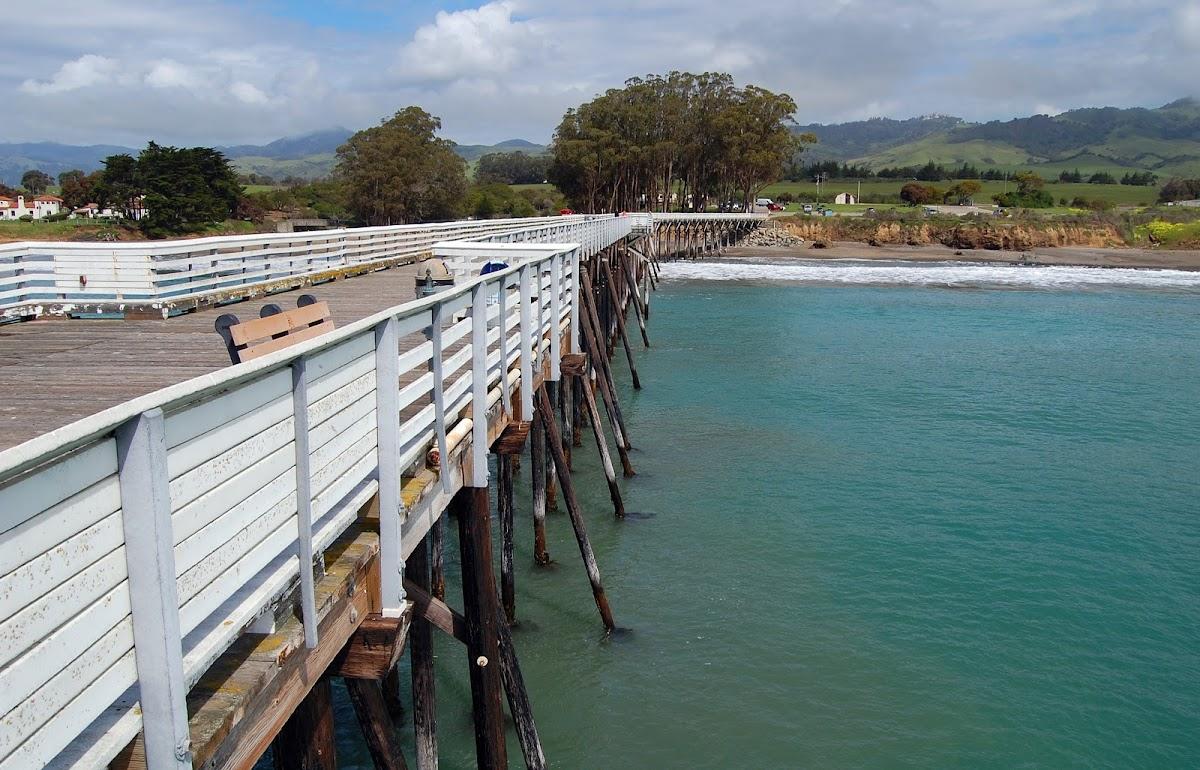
point(1073, 256)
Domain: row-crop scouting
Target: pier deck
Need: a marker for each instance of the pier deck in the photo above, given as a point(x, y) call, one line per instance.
point(59, 371)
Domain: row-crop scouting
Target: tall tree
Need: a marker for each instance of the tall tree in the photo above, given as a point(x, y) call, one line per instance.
point(170, 190)
point(36, 181)
point(78, 188)
point(511, 168)
point(400, 171)
point(185, 188)
point(679, 140)
point(120, 184)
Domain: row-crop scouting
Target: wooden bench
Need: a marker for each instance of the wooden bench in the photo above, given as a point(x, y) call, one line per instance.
point(275, 330)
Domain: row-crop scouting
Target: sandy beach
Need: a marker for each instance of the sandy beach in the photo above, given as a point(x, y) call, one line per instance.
point(1082, 256)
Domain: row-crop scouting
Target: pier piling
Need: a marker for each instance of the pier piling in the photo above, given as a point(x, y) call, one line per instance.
point(573, 509)
point(482, 613)
point(424, 687)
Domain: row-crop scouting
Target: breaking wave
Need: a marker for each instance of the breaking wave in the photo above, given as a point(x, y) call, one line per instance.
point(935, 274)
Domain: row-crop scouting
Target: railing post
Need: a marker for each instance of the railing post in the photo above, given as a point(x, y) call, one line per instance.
point(526, 346)
point(387, 417)
point(439, 397)
point(502, 302)
point(555, 316)
point(154, 601)
point(479, 383)
point(575, 301)
point(308, 597)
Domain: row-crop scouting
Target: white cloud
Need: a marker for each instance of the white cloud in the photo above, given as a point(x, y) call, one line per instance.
point(1188, 26)
point(202, 71)
point(481, 42)
point(247, 93)
point(167, 73)
point(87, 70)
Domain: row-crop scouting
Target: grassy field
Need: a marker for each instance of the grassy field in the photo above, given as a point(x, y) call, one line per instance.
point(92, 230)
point(66, 230)
point(1120, 194)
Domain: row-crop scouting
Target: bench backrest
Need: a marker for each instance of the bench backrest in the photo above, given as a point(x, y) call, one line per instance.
point(252, 339)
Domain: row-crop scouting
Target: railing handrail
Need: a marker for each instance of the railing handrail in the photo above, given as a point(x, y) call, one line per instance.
point(209, 241)
point(26, 455)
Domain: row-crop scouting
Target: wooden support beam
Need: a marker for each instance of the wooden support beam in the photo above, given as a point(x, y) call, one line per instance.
point(581, 536)
point(482, 613)
point(616, 304)
point(374, 648)
point(518, 703)
point(564, 409)
point(574, 365)
point(638, 309)
point(608, 388)
point(576, 416)
point(610, 475)
point(504, 494)
point(436, 612)
point(437, 556)
point(585, 388)
point(367, 698)
point(512, 439)
point(424, 689)
point(537, 473)
point(454, 625)
point(306, 741)
point(551, 487)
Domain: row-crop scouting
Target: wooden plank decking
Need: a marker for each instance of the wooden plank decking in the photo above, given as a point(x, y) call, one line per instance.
point(55, 372)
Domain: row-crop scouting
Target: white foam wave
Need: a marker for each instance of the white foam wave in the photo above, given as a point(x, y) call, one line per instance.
point(951, 274)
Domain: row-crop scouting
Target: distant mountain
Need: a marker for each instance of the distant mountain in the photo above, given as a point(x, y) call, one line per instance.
point(290, 147)
point(843, 141)
point(307, 156)
point(1165, 140)
point(53, 158)
point(473, 152)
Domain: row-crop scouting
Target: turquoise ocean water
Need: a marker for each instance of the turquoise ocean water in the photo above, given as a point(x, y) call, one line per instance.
point(932, 519)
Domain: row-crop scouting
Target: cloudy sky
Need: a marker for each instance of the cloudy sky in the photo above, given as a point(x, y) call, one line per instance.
point(113, 71)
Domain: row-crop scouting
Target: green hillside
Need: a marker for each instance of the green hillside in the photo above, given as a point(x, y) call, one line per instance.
point(308, 167)
point(1164, 140)
point(322, 164)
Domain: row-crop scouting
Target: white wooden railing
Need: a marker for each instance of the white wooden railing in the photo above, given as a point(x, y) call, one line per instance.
point(39, 278)
point(42, 278)
point(136, 544)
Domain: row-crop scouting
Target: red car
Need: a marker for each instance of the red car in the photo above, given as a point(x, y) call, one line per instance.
point(565, 212)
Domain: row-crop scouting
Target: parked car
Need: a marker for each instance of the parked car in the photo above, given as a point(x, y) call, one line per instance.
point(807, 208)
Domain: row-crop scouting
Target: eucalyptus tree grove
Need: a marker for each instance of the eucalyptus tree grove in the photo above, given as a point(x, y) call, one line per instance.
point(676, 141)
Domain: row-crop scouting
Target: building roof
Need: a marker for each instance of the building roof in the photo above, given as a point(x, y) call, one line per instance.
point(49, 198)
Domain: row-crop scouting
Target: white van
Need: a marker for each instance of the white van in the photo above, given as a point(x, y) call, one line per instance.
point(763, 202)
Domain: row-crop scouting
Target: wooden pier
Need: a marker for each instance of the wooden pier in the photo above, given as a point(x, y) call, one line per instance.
point(190, 549)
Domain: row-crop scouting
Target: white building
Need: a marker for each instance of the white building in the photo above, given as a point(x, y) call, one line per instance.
point(40, 207)
point(845, 199)
point(93, 211)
